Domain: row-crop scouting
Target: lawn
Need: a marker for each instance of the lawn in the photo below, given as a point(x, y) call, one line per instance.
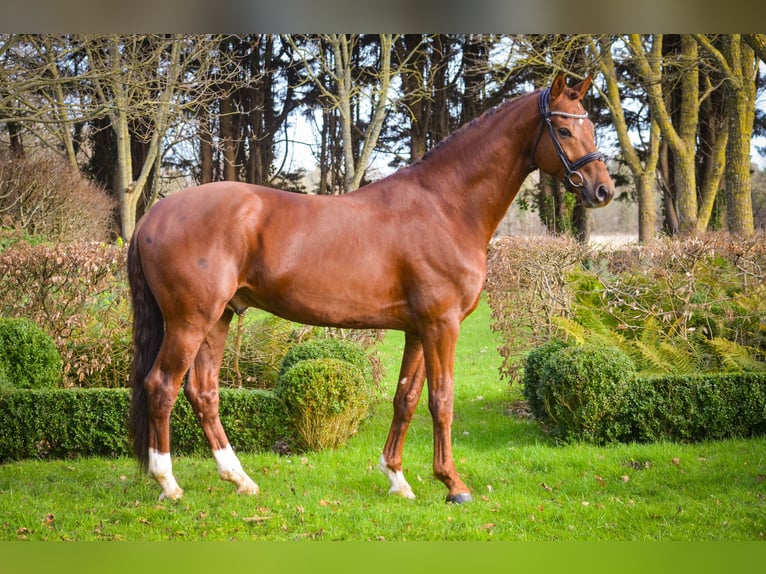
point(526, 487)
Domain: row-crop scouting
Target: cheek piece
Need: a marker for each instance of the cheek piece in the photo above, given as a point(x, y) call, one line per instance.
point(574, 179)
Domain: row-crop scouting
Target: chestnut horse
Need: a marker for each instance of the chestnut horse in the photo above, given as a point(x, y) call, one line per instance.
point(407, 252)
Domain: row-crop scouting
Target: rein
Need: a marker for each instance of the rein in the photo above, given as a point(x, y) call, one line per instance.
point(573, 177)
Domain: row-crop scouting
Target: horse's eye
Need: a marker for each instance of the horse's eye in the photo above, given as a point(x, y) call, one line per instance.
point(565, 133)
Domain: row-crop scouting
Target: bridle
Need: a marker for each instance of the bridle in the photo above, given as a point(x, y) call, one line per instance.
point(574, 178)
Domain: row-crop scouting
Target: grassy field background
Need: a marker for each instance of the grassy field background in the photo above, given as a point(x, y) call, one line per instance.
point(526, 487)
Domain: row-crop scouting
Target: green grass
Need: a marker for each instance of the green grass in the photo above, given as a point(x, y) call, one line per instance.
point(525, 486)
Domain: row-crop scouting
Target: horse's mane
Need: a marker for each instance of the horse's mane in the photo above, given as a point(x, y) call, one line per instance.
point(467, 127)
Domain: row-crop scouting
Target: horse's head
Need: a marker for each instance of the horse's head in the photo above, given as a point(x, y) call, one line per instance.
point(565, 145)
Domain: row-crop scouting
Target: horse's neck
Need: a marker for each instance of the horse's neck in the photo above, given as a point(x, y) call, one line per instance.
point(479, 169)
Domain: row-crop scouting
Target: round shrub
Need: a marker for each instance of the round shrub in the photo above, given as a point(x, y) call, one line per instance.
point(532, 379)
point(584, 392)
point(326, 400)
point(28, 355)
point(329, 348)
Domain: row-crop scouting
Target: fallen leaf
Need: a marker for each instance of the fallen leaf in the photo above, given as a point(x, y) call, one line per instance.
point(676, 461)
point(625, 478)
point(256, 518)
point(546, 487)
point(585, 503)
point(487, 526)
point(600, 480)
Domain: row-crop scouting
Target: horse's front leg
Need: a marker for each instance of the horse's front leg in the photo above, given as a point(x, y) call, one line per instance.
point(201, 390)
point(411, 378)
point(439, 345)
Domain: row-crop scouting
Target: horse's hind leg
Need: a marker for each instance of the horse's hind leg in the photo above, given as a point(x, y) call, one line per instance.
point(408, 391)
point(201, 390)
point(161, 386)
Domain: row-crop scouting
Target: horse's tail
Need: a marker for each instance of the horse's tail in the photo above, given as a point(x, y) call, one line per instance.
point(148, 332)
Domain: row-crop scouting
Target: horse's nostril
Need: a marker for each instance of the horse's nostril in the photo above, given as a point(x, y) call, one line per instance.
point(602, 193)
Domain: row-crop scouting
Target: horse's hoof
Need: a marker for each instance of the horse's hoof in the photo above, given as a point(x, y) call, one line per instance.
point(174, 494)
point(248, 488)
point(460, 498)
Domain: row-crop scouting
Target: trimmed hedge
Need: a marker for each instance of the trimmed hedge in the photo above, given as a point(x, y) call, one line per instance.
point(698, 407)
point(336, 376)
point(592, 393)
point(60, 423)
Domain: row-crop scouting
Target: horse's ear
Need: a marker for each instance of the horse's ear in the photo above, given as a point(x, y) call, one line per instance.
point(582, 87)
point(557, 88)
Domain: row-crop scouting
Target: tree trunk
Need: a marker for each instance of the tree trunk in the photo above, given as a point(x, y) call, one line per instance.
point(672, 225)
point(647, 217)
point(757, 43)
point(16, 143)
point(205, 148)
point(581, 222)
point(228, 139)
point(739, 208)
point(416, 96)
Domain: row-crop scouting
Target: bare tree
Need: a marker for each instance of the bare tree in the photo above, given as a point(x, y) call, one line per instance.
point(736, 59)
point(642, 163)
point(681, 134)
point(37, 93)
point(337, 73)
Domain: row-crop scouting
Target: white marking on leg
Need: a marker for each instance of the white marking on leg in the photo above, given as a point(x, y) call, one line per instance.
point(398, 484)
point(161, 469)
point(403, 381)
point(229, 468)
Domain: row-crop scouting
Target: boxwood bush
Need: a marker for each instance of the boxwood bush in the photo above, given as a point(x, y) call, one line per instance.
point(533, 372)
point(329, 348)
point(28, 357)
point(583, 390)
point(326, 399)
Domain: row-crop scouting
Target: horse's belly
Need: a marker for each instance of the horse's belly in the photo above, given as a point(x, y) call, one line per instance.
point(327, 308)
